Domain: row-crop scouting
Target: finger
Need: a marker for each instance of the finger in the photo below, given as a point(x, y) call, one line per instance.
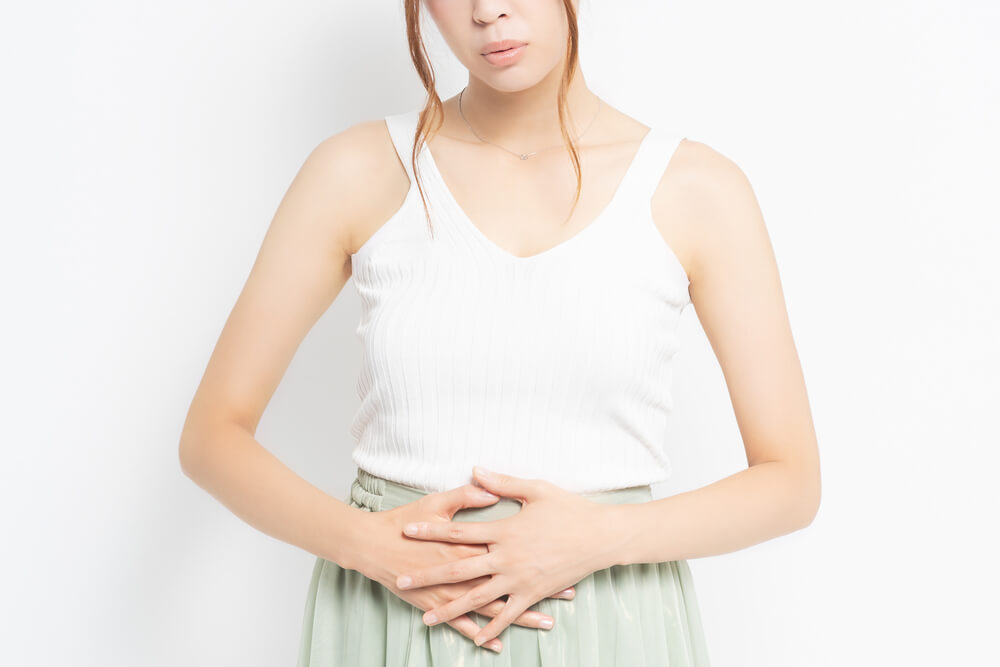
point(567, 594)
point(511, 610)
point(471, 599)
point(460, 532)
point(449, 572)
point(469, 628)
point(467, 495)
point(508, 485)
point(529, 619)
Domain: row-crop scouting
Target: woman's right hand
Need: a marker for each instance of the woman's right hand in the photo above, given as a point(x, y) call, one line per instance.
point(394, 554)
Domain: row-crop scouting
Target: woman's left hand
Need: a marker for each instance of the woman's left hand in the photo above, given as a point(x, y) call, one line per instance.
point(556, 539)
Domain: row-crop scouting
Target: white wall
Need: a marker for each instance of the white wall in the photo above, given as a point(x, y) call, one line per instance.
point(145, 147)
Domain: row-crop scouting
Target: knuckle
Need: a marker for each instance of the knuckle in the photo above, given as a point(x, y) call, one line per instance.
point(455, 531)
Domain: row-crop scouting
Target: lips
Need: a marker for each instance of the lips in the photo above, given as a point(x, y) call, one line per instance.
point(502, 45)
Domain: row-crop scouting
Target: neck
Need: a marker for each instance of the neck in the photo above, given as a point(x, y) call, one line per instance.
point(526, 119)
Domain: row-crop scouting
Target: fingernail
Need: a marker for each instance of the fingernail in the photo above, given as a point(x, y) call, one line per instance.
point(410, 529)
point(493, 645)
point(482, 472)
point(546, 623)
point(430, 619)
point(489, 496)
point(404, 582)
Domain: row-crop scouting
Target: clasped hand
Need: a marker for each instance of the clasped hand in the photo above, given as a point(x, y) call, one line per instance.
point(551, 543)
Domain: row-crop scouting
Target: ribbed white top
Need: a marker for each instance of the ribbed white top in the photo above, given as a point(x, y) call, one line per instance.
point(553, 366)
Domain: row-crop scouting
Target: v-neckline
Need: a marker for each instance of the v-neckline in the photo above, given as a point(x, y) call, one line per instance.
point(466, 221)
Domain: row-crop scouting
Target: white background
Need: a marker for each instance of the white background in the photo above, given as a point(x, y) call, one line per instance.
point(145, 147)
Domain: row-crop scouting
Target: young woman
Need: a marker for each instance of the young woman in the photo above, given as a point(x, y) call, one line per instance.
point(523, 252)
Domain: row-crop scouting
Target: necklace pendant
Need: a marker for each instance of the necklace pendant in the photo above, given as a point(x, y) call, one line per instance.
point(524, 156)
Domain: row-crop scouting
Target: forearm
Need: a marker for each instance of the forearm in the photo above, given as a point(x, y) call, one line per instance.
point(236, 470)
point(764, 501)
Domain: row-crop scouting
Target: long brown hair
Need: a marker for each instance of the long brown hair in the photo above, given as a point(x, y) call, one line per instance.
point(433, 109)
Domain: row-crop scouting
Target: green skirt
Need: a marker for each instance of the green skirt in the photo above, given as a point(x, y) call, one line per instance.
point(637, 615)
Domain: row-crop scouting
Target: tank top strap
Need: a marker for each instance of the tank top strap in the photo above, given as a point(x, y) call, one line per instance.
point(650, 162)
point(402, 129)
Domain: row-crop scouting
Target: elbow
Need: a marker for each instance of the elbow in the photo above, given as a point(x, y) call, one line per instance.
point(188, 453)
point(810, 508)
point(206, 431)
point(192, 439)
point(196, 447)
point(810, 497)
point(800, 493)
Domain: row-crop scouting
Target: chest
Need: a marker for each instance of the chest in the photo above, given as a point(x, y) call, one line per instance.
point(430, 309)
point(527, 207)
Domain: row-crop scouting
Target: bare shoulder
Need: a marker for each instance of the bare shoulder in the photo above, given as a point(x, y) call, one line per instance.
point(360, 175)
point(704, 199)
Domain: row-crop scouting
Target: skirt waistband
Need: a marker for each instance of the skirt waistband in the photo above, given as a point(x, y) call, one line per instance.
point(376, 494)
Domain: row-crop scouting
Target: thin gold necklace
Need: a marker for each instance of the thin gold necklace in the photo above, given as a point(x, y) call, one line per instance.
point(523, 156)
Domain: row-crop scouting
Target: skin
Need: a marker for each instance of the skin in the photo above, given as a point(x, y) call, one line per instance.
point(705, 209)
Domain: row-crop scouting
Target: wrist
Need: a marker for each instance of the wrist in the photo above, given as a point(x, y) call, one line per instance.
point(608, 534)
point(346, 539)
point(617, 521)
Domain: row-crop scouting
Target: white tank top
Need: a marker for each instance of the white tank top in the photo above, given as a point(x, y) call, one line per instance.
point(554, 366)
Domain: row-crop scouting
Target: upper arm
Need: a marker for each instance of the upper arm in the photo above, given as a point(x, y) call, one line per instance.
point(302, 264)
point(736, 291)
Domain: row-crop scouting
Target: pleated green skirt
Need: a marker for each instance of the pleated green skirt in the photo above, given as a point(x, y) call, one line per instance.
point(638, 615)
